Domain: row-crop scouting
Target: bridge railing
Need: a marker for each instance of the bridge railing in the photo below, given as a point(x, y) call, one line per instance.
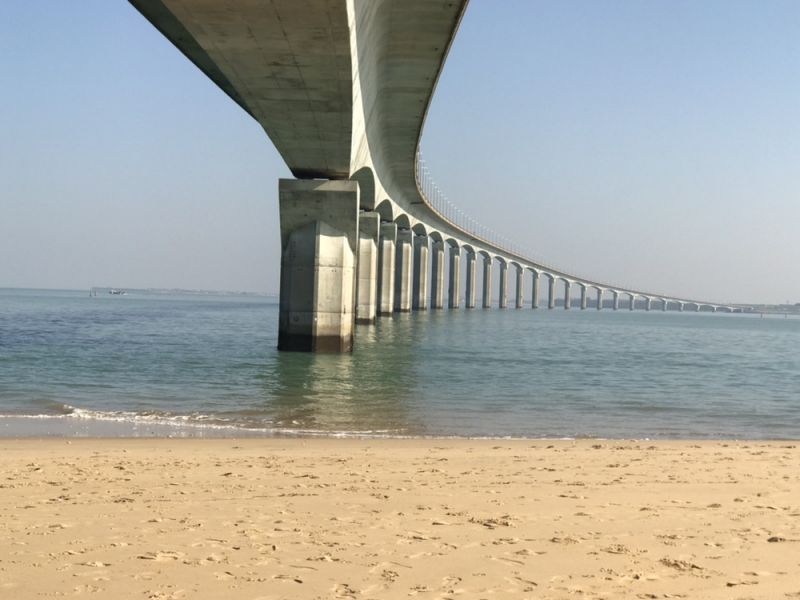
point(441, 204)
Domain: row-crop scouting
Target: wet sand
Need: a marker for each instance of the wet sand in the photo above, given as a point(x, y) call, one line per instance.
point(327, 518)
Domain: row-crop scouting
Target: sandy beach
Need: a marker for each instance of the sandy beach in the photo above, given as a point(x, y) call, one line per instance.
point(327, 518)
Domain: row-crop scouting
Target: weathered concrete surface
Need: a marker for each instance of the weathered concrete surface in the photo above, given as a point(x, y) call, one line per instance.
point(437, 276)
point(287, 63)
point(454, 285)
point(419, 298)
point(535, 290)
point(503, 300)
point(471, 282)
point(520, 286)
point(367, 268)
point(319, 242)
point(386, 268)
point(404, 271)
point(487, 282)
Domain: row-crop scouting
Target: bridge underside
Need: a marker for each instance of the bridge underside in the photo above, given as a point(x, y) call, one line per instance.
point(342, 88)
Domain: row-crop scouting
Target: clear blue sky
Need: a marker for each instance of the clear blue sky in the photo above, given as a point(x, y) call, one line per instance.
point(651, 143)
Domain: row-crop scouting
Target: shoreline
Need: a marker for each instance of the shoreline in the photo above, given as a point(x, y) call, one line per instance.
point(68, 426)
point(273, 518)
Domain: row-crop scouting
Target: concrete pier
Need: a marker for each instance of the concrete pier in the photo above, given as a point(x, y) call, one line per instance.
point(664, 304)
point(535, 290)
point(387, 257)
point(437, 276)
point(503, 300)
point(471, 273)
point(633, 301)
point(520, 286)
point(647, 303)
point(454, 286)
point(367, 268)
point(584, 299)
point(551, 292)
point(487, 282)
point(616, 299)
point(419, 298)
point(319, 245)
point(567, 292)
point(404, 270)
point(599, 298)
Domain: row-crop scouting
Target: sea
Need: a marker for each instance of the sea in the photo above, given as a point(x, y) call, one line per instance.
point(206, 365)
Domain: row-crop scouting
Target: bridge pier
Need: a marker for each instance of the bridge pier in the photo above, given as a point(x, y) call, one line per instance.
point(319, 247)
point(567, 292)
point(437, 276)
point(681, 306)
point(487, 282)
point(551, 293)
point(633, 301)
point(615, 295)
point(584, 299)
point(664, 304)
point(367, 268)
point(454, 287)
point(471, 272)
point(419, 299)
point(535, 290)
point(503, 300)
point(404, 270)
point(599, 299)
point(520, 286)
point(386, 271)
point(647, 303)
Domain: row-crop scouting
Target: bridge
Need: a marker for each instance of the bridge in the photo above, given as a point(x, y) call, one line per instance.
point(342, 88)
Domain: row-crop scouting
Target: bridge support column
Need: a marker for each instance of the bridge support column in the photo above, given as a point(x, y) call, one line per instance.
point(404, 270)
point(420, 295)
point(367, 281)
point(633, 302)
point(551, 293)
point(454, 287)
point(520, 286)
point(567, 297)
point(535, 290)
point(503, 300)
point(487, 282)
point(599, 299)
point(616, 300)
point(470, 291)
point(437, 276)
point(319, 245)
point(647, 303)
point(386, 264)
point(664, 305)
point(681, 306)
point(584, 298)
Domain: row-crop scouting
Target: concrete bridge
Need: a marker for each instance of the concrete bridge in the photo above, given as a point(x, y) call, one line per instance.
point(342, 88)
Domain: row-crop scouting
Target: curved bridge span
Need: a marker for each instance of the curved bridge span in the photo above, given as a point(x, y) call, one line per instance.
point(342, 88)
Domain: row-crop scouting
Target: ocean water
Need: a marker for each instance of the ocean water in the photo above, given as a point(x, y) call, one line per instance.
point(173, 365)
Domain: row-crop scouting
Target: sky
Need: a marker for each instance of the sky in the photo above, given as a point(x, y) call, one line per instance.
point(654, 144)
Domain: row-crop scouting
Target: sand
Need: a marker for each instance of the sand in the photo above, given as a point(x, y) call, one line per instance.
point(326, 518)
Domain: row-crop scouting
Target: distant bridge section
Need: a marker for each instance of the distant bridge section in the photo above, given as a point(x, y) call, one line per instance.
point(342, 88)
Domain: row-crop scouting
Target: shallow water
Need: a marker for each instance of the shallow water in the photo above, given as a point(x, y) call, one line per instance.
point(154, 364)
